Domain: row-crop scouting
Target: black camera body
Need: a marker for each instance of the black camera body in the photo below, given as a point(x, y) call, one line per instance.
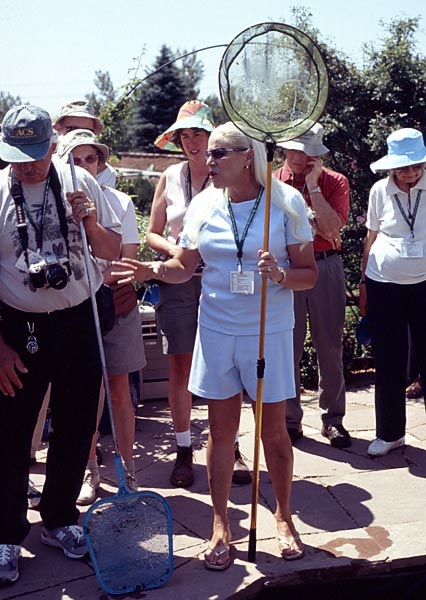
point(50, 272)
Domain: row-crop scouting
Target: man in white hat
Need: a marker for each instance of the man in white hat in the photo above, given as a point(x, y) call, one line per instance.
point(78, 114)
point(47, 328)
point(327, 193)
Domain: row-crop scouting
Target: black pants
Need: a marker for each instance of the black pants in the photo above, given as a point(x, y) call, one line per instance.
point(68, 358)
point(393, 310)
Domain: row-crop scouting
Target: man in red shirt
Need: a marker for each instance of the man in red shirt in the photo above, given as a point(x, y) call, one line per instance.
point(327, 193)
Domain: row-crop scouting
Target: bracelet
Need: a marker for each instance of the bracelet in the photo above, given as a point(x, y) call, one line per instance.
point(315, 190)
point(283, 276)
point(362, 282)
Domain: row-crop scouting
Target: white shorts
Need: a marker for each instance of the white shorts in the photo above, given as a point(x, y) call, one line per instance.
point(223, 365)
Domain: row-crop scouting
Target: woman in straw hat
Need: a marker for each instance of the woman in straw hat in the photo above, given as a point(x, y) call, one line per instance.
point(177, 309)
point(393, 280)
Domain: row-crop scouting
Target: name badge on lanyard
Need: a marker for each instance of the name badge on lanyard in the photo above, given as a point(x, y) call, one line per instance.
point(412, 249)
point(242, 282)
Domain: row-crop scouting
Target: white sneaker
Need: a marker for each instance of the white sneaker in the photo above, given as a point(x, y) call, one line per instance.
point(90, 486)
point(131, 482)
point(379, 447)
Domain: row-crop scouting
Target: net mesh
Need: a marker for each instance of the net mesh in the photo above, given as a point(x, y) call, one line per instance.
point(130, 541)
point(273, 82)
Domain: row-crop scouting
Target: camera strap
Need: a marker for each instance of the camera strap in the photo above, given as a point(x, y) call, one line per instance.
point(21, 209)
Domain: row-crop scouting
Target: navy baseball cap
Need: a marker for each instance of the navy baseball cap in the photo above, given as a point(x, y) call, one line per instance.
point(26, 134)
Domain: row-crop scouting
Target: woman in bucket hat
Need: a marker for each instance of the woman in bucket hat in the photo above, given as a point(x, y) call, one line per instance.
point(123, 343)
point(393, 280)
point(177, 309)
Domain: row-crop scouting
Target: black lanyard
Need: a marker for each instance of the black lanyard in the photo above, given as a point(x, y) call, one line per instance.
point(240, 242)
point(188, 186)
point(411, 217)
point(38, 228)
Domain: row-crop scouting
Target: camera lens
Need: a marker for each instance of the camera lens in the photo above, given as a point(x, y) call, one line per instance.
point(56, 277)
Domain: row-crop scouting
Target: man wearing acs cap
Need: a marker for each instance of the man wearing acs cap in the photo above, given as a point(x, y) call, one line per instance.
point(327, 193)
point(47, 328)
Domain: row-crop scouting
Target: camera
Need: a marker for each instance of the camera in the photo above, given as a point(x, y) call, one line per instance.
point(50, 272)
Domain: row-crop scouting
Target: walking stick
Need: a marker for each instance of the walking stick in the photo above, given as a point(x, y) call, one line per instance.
point(273, 84)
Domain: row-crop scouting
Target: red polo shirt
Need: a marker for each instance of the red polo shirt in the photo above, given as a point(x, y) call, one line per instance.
point(335, 189)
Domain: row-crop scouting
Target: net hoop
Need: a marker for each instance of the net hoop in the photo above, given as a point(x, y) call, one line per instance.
point(273, 82)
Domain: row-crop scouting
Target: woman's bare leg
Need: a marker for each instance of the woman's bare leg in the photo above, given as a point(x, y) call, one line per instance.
point(224, 418)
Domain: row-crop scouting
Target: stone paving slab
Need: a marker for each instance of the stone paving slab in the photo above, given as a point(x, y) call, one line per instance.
point(357, 515)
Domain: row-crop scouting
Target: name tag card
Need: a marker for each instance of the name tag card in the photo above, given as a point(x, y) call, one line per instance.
point(412, 249)
point(242, 283)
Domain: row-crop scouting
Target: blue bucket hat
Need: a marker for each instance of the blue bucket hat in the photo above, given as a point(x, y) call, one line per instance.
point(405, 148)
point(26, 134)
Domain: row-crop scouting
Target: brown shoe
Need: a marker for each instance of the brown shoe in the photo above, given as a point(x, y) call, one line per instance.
point(415, 389)
point(182, 474)
point(241, 474)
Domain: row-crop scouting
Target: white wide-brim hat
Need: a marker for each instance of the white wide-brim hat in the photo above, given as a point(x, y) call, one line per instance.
point(310, 142)
point(405, 148)
point(80, 137)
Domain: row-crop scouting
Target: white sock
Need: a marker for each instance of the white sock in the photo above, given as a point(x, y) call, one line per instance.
point(183, 438)
point(237, 436)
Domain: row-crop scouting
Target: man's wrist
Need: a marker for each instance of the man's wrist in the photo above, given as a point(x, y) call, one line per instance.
point(315, 190)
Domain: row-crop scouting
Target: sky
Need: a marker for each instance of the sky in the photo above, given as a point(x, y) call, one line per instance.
point(51, 49)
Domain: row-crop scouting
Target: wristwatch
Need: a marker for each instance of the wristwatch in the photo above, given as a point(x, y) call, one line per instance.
point(315, 190)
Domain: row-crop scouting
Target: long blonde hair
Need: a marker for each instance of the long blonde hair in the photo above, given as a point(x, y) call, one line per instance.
point(279, 191)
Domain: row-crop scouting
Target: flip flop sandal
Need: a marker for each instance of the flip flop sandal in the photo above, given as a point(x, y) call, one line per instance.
point(288, 547)
point(214, 566)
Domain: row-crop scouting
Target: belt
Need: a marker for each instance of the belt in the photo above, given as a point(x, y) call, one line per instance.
point(325, 254)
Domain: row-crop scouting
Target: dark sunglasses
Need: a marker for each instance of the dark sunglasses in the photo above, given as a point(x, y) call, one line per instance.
point(218, 153)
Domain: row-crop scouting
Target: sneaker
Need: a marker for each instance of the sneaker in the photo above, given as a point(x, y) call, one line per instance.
point(241, 474)
point(33, 495)
point(90, 486)
point(414, 390)
point(182, 474)
point(9, 556)
point(337, 435)
point(131, 482)
point(69, 538)
point(379, 447)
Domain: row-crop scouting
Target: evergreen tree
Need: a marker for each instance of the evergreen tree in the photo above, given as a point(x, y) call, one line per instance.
point(158, 100)
point(7, 101)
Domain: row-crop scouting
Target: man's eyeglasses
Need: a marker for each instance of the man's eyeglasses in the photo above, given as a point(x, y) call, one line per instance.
point(218, 153)
point(414, 167)
point(89, 159)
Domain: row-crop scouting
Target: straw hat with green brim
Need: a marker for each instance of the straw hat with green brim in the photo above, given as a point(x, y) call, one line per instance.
point(191, 115)
point(79, 108)
point(80, 137)
point(405, 148)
